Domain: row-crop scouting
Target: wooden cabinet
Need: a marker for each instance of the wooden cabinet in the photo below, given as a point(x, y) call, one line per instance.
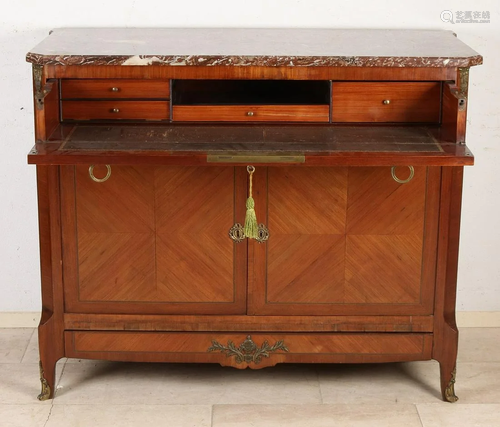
point(143, 181)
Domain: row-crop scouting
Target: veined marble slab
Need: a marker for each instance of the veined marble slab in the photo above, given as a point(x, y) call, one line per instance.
point(253, 47)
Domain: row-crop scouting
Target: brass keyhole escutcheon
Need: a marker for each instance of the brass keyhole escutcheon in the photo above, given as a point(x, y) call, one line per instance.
point(237, 233)
point(263, 234)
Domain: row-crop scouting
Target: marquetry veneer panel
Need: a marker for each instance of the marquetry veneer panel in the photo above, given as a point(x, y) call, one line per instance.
point(342, 237)
point(151, 235)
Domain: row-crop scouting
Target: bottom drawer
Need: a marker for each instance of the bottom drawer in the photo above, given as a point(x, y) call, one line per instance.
point(254, 350)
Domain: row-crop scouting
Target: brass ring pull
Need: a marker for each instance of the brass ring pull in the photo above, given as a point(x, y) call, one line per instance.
point(92, 176)
point(403, 181)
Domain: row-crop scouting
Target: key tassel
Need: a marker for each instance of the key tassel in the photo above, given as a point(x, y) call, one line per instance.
point(251, 227)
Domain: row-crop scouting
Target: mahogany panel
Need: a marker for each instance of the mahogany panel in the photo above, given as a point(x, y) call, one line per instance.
point(251, 113)
point(384, 246)
point(295, 348)
point(115, 110)
point(138, 322)
point(115, 229)
point(312, 270)
point(251, 72)
point(194, 252)
point(307, 220)
point(386, 102)
point(383, 269)
point(378, 205)
point(154, 235)
point(114, 88)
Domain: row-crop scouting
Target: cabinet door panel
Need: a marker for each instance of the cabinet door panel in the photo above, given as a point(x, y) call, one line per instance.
point(153, 239)
point(345, 241)
point(195, 254)
point(307, 220)
point(295, 261)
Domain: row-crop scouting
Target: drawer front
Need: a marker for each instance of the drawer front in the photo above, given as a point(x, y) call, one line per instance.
point(115, 110)
point(386, 102)
point(251, 113)
point(115, 89)
point(254, 350)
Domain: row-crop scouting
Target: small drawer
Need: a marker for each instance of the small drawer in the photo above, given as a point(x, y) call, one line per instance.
point(417, 102)
point(115, 89)
point(251, 113)
point(252, 350)
point(115, 110)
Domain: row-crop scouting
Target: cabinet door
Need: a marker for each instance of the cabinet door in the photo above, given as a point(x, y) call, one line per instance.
point(345, 241)
point(153, 239)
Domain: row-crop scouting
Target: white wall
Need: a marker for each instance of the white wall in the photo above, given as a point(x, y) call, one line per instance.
point(23, 23)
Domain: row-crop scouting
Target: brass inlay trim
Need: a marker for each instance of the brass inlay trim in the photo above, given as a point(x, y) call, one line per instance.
point(255, 158)
point(45, 393)
point(449, 392)
point(248, 351)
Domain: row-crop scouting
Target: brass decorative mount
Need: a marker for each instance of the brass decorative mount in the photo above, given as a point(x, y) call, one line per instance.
point(45, 393)
point(449, 392)
point(237, 233)
point(248, 351)
point(41, 90)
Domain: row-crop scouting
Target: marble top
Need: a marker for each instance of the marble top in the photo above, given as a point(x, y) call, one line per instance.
point(253, 47)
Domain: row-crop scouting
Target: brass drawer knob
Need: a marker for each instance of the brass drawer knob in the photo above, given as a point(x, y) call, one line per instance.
point(250, 113)
point(386, 101)
point(115, 110)
point(115, 89)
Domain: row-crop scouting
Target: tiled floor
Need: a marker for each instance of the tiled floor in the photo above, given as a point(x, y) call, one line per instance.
point(105, 394)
